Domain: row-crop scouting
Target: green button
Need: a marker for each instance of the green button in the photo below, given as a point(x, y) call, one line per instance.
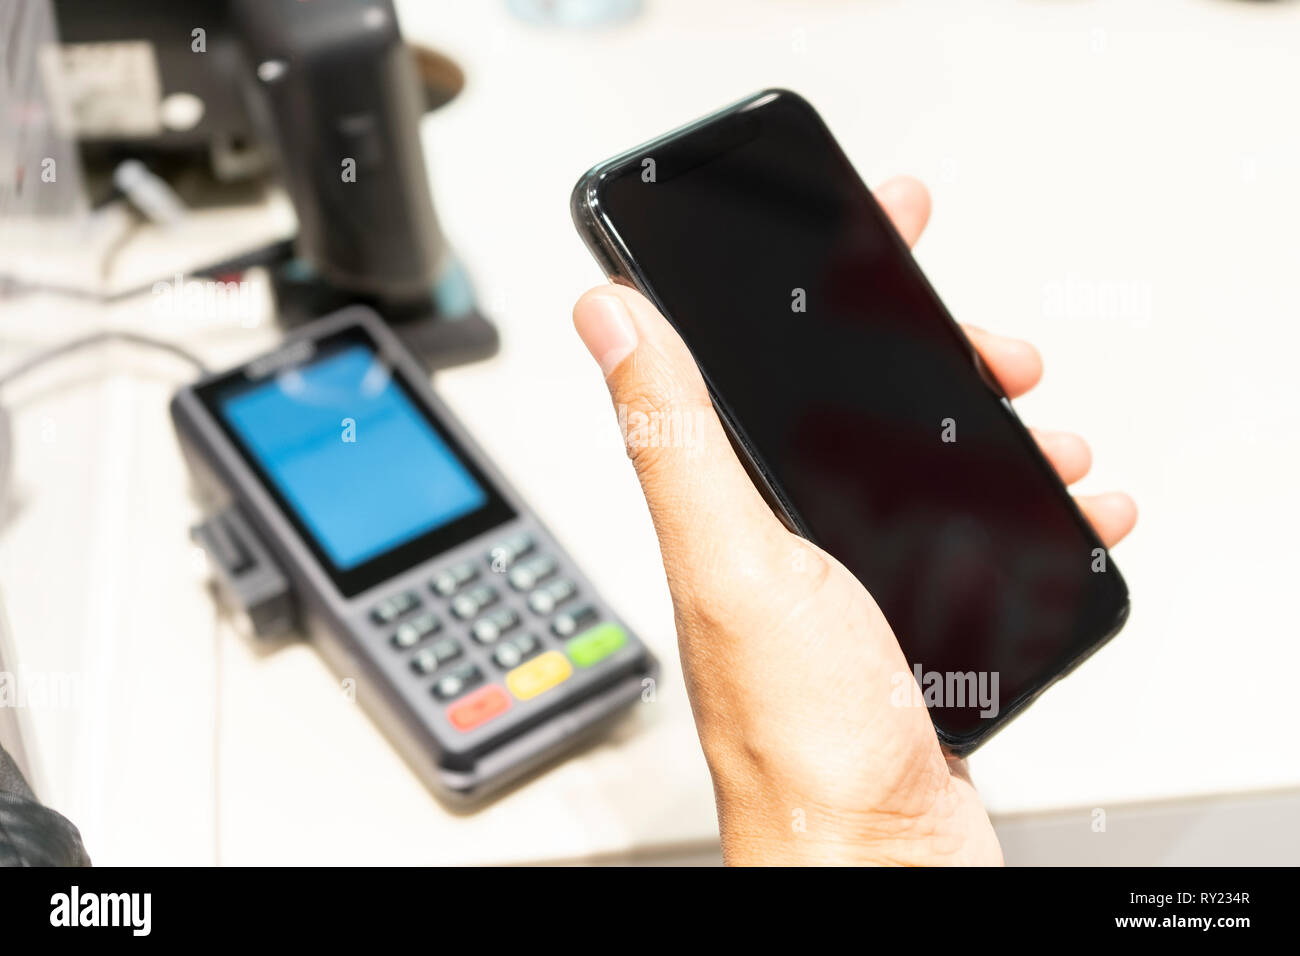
point(592, 647)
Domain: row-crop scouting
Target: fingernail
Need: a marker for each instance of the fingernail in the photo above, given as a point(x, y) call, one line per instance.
point(606, 328)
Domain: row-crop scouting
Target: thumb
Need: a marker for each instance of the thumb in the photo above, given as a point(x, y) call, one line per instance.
point(699, 494)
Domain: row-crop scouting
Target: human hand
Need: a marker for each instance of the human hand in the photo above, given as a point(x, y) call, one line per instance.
point(790, 672)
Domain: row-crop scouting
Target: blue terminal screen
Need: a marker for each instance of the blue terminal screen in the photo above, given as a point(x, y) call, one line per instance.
point(348, 450)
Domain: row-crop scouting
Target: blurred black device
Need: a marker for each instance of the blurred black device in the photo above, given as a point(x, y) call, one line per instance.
point(326, 94)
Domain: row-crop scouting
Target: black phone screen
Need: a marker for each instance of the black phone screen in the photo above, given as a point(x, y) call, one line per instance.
point(853, 389)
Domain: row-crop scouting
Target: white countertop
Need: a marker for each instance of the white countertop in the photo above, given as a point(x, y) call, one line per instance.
point(1116, 181)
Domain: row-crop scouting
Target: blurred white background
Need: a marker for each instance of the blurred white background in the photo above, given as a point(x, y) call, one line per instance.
point(1118, 182)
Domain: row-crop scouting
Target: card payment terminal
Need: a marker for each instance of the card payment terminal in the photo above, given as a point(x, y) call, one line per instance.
point(347, 500)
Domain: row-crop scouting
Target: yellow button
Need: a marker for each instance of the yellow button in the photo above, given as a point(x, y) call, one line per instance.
point(541, 673)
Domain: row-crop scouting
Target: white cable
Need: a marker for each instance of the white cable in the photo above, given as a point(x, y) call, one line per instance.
point(57, 351)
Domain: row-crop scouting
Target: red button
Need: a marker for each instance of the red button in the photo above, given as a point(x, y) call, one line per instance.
point(478, 708)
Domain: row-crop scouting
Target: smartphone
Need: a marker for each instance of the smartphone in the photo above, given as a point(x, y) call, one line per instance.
point(860, 409)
